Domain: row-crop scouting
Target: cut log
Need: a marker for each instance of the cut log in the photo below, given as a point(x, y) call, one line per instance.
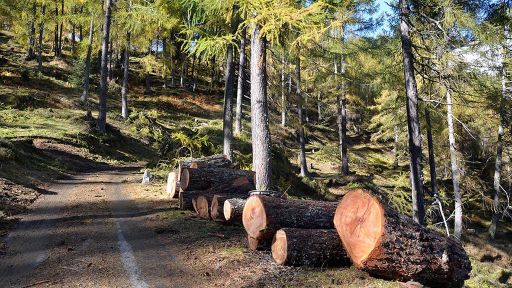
point(258, 245)
point(171, 185)
point(205, 178)
point(309, 247)
point(242, 187)
point(202, 208)
point(391, 246)
point(264, 215)
point(217, 204)
point(218, 160)
point(233, 209)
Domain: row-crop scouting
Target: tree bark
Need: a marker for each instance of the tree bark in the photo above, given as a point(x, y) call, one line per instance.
point(85, 93)
point(302, 140)
point(124, 88)
point(309, 247)
point(388, 245)
point(455, 169)
point(56, 32)
point(241, 81)
point(40, 40)
point(217, 160)
point(102, 116)
point(413, 121)
point(264, 215)
point(233, 210)
point(259, 111)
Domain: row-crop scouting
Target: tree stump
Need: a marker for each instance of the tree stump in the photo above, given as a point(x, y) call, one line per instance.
point(309, 247)
point(391, 246)
point(263, 215)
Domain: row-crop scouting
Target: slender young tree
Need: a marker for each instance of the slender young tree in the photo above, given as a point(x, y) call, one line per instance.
point(284, 101)
point(302, 139)
point(241, 81)
point(413, 121)
point(40, 40)
point(59, 51)
point(102, 116)
point(124, 88)
point(32, 33)
point(259, 110)
point(342, 122)
point(229, 91)
point(85, 93)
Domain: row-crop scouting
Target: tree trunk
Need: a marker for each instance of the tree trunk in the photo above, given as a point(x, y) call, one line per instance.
point(229, 91)
point(264, 215)
point(73, 36)
point(61, 26)
point(102, 116)
point(302, 141)
point(110, 53)
point(241, 82)
point(413, 121)
point(499, 156)
point(85, 93)
point(385, 244)
point(217, 204)
point(32, 33)
point(259, 111)
point(233, 210)
point(56, 32)
point(342, 128)
point(40, 46)
point(319, 106)
point(309, 247)
point(455, 169)
point(124, 88)
point(284, 104)
point(208, 177)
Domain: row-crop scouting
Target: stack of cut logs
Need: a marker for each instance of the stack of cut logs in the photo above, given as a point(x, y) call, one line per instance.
point(362, 229)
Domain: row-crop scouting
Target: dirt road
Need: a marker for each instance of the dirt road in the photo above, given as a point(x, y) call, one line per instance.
point(87, 233)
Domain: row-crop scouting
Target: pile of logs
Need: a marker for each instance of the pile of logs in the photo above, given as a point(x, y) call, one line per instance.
point(362, 229)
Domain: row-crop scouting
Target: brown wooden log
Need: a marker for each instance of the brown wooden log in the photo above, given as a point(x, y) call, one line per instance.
point(202, 208)
point(258, 245)
point(171, 187)
point(218, 160)
point(392, 246)
point(205, 178)
point(233, 210)
point(264, 215)
point(309, 247)
point(217, 204)
point(237, 188)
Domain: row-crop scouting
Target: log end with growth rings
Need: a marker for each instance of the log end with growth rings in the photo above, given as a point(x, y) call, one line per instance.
point(359, 220)
point(254, 217)
point(202, 207)
point(184, 179)
point(280, 247)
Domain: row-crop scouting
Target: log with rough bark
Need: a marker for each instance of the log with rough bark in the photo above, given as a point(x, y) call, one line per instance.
point(172, 185)
point(258, 245)
point(218, 160)
point(239, 186)
point(233, 209)
point(309, 247)
point(217, 204)
point(391, 246)
point(264, 215)
point(205, 178)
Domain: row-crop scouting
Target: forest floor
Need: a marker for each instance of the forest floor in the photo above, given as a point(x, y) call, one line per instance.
point(73, 213)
